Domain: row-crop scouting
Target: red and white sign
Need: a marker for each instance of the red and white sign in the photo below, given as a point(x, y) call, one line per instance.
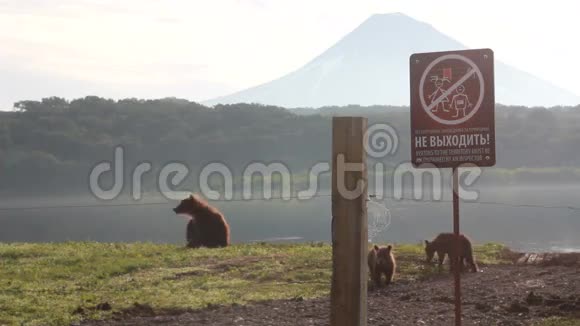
point(452, 108)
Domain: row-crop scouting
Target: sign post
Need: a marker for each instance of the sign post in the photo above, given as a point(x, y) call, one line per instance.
point(456, 263)
point(452, 121)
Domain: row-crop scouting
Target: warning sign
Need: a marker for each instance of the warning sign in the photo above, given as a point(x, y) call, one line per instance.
point(452, 108)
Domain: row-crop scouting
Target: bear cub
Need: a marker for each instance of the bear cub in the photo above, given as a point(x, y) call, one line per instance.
point(381, 260)
point(444, 244)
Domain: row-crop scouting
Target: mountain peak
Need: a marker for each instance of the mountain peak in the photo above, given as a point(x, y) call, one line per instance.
point(370, 66)
point(391, 16)
point(396, 22)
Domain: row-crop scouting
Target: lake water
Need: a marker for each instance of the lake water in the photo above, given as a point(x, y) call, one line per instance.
point(521, 227)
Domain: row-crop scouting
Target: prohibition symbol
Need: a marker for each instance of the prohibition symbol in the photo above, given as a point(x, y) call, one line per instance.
point(451, 105)
point(452, 108)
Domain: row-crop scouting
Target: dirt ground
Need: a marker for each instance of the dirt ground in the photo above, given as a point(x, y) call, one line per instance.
point(497, 295)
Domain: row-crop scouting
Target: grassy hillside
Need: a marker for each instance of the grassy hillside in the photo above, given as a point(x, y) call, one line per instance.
point(60, 283)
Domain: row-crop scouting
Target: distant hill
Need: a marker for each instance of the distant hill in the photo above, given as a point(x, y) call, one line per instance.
point(369, 66)
point(50, 146)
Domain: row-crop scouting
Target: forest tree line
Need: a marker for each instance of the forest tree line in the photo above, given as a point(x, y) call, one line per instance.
point(51, 145)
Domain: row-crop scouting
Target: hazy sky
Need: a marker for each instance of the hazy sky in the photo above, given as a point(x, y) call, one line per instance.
point(202, 49)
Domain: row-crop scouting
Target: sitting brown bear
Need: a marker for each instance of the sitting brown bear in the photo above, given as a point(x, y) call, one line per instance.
point(207, 227)
point(382, 261)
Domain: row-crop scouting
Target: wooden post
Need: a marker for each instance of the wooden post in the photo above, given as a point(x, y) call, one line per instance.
point(456, 263)
point(349, 223)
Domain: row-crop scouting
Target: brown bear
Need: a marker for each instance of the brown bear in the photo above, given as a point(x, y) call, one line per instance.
point(382, 261)
point(207, 227)
point(444, 244)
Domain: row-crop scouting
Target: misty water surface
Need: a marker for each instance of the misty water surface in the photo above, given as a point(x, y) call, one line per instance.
point(308, 220)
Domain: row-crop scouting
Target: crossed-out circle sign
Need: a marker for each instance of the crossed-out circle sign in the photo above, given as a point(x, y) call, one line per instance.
point(454, 96)
point(452, 108)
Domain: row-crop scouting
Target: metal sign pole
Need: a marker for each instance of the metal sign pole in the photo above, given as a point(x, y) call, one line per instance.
point(456, 262)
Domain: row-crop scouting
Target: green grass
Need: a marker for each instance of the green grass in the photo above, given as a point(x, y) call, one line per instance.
point(43, 284)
